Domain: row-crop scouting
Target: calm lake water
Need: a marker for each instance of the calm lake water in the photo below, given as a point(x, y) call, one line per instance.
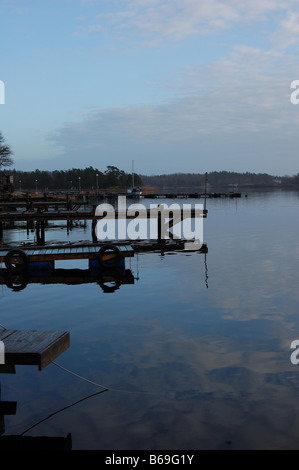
point(195, 349)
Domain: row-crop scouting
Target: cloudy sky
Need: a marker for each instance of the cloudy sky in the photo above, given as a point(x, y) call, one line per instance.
point(173, 85)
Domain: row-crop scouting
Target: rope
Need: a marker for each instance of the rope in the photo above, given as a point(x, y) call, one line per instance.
point(106, 389)
point(79, 376)
point(59, 411)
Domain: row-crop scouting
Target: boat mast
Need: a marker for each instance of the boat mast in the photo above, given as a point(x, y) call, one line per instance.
point(132, 173)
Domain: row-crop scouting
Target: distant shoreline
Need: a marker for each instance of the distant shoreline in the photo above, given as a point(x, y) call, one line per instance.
point(221, 181)
point(92, 179)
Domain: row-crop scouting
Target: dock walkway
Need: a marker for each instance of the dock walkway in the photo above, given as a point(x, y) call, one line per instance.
point(53, 253)
point(33, 347)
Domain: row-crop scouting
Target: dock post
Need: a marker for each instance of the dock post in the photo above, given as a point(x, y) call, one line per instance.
point(42, 232)
point(206, 181)
point(159, 226)
point(93, 230)
point(37, 230)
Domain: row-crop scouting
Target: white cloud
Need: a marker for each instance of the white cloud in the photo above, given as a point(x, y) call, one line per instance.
point(288, 32)
point(236, 107)
point(156, 20)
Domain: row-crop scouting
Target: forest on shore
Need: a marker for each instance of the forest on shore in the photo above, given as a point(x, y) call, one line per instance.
point(225, 180)
point(90, 178)
point(75, 179)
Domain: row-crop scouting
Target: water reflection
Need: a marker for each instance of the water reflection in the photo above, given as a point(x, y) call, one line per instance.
point(109, 280)
point(186, 366)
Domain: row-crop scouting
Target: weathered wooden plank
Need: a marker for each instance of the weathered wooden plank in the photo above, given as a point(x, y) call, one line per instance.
point(30, 252)
point(68, 250)
point(5, 333)
point(47, 252)
point(33, 347)
point(60, 253)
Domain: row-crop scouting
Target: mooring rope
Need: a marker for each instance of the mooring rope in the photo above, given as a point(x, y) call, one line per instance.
point(104, 389)
point(99, 385)
point(59, 411)
point(79, 376)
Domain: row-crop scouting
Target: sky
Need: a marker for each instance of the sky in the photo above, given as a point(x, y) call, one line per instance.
point(175, 86)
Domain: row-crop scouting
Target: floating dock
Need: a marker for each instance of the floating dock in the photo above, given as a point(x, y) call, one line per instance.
point(15, 258)
point(69, 215)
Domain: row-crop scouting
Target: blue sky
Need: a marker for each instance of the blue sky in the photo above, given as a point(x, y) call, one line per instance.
point(175, 85)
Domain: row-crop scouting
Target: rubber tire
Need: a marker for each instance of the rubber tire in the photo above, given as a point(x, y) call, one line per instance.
point(12, 267)
point(104, 280)
point(109, 264)
point(17, 281)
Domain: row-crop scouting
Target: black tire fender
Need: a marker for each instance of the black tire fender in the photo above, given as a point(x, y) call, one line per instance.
point(109, 280)
point(109, 256)
point(12, 255)
point(17, 281)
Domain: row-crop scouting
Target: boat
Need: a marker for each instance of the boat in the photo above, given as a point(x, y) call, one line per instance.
point(135, 191)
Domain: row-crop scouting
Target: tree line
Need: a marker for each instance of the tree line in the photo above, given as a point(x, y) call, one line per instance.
point(75, 179)
point(220, 180)
point(92, 178)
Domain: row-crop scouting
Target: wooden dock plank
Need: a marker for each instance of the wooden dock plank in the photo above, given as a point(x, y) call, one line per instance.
point(5, 333)
point(48, 252)
point(67, 250)
point(67, 253)
point(33, 347)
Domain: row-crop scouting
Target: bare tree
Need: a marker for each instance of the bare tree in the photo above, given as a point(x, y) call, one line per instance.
point(5, 153)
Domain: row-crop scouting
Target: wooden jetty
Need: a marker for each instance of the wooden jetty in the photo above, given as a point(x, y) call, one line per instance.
point(68, 215)
point(106, 253)
point(41, 217)
point(190, 195)
point(16, 258)
point(32, 347)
